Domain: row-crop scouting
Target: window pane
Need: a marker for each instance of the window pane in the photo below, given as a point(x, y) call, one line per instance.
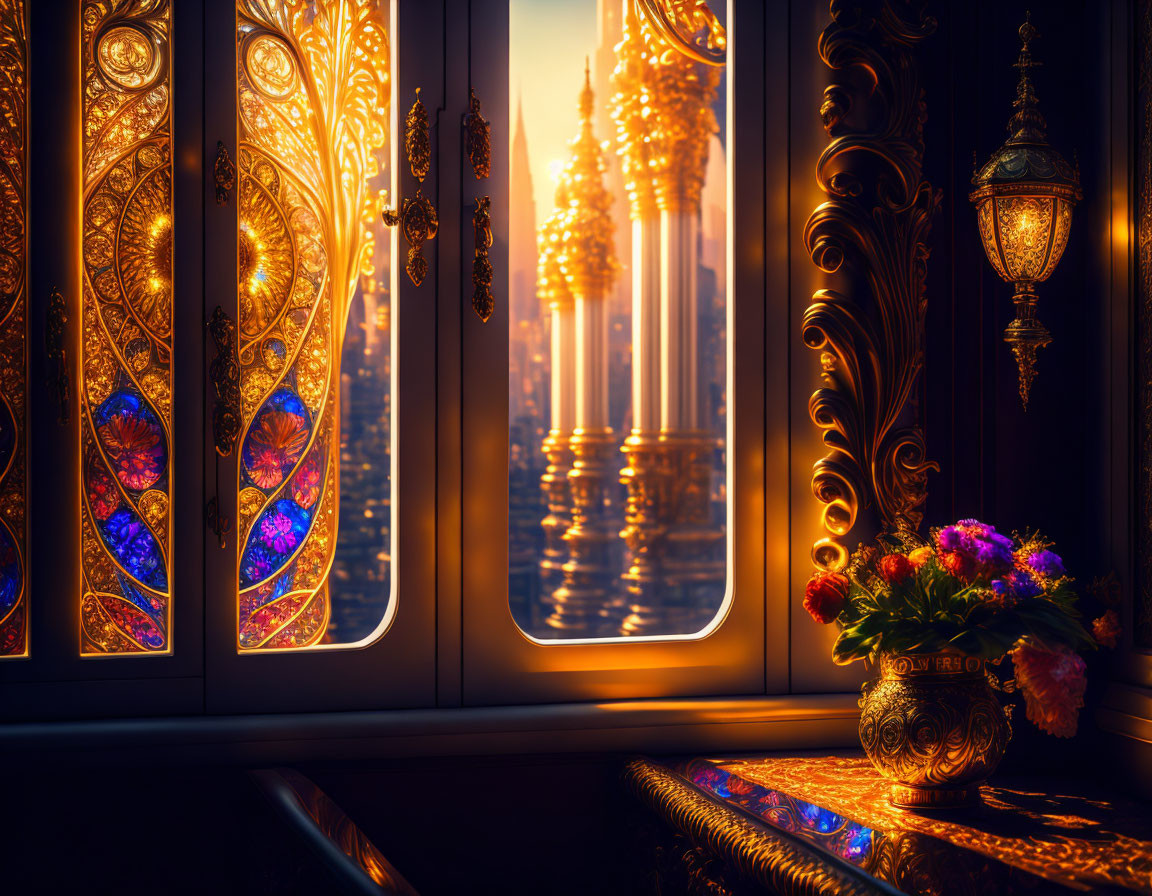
point(618, 345)
point(126, 367)
point(13, 325)
point(314, 514)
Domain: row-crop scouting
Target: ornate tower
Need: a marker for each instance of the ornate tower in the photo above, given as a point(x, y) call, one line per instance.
point(588, 262)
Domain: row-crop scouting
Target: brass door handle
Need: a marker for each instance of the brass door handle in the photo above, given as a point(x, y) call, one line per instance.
point(416, 215)
point(57, 355)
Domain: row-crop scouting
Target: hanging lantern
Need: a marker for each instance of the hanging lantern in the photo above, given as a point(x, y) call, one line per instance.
point(1024, 195)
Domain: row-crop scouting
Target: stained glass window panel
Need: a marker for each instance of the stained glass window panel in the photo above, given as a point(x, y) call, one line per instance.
point(126, 362)
point(314, 491)
point(13, 326)
point(618, 324)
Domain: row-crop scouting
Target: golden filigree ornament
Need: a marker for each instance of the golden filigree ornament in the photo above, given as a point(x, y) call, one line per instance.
point(1024, 196)
point(313, 98)
point(688, 26)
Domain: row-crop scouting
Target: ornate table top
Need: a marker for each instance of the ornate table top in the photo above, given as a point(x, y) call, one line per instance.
point(826, 824)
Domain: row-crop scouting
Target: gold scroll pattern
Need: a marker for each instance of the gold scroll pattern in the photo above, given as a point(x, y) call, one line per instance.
point(126, 325)
point(13, 326)
point(872, 234)
point(313, 92)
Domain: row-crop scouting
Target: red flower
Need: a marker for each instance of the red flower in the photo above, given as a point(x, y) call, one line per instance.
point(1053, 686)
point(962, 566)
point(1106, 629)
point(133, 445)
point(825, 595)
point(895, 568)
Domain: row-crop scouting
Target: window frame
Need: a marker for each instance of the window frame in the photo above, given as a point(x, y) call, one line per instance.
point(501, 664)
point(396, 669)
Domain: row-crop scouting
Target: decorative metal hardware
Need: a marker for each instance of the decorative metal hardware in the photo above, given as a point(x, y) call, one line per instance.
point(417, 144)
point(417, 216)
point(689, 26)
point(58, 378)
point(225, 374)
point(872, 233)
point(223, 173)
point(419, 224)
point(482, 301)
point(479, 139)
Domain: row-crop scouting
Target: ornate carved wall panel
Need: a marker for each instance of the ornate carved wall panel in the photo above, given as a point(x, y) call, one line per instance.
point(13, 326)
point(126, 365)
point(313, 93)
point(870, 237)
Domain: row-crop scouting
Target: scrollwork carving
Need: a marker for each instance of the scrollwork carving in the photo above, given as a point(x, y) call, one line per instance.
point(872, 232)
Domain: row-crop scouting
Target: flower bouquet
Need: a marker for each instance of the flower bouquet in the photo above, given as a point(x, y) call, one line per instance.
point(930, 616)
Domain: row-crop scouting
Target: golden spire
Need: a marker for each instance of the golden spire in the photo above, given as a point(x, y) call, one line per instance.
point(587, 257)
point(632, 81)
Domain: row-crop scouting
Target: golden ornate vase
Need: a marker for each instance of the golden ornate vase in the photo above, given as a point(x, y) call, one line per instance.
point(933, 726)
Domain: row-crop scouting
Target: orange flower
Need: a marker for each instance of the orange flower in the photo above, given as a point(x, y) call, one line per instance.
point(1106, 629)
point(920, 556)
point(825, 595)
point(275, 446)
point(895, 568)
point(1052, 683)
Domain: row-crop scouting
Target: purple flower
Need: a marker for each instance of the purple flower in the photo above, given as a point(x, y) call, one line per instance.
point(1047, 563)
point(1017, 584)
point(950, 538)
point(982, 550)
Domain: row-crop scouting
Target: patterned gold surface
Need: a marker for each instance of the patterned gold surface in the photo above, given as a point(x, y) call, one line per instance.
point(751, 853)
point(932, 725)
point(126, 325)
point(1082, 840)
point(313, 92)
point(13, 326)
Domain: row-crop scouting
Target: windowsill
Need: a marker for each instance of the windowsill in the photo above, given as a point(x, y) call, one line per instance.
point(654, 726)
